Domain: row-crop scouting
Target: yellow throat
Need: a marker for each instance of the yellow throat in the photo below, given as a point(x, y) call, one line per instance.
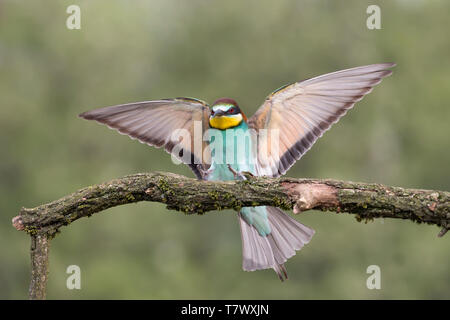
point(225, 122)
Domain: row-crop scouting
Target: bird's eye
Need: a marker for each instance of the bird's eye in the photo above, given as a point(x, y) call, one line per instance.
point(231, 110)
point(212, 112)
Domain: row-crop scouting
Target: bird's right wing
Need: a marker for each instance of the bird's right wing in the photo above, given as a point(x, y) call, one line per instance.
point(175, 124)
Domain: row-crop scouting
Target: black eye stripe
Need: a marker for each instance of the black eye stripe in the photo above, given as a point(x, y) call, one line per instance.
point(232, 110)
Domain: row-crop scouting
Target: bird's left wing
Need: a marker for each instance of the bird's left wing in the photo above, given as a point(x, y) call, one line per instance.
point(297, 115)
point(175, 124)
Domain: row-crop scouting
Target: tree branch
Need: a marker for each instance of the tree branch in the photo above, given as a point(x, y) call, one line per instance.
point(365, 200)
point(40, 244)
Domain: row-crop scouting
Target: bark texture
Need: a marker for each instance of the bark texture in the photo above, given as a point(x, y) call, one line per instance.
point(366, 200)
point(40, 244)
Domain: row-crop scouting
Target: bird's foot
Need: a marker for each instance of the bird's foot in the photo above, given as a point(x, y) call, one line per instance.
point(241, 175)
point(205, 172)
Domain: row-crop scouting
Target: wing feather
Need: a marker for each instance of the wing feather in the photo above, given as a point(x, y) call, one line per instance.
point(154, 122)
point(303, 111)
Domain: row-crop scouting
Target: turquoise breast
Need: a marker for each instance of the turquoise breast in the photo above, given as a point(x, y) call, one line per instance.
point(230, 147)
point(234, 147)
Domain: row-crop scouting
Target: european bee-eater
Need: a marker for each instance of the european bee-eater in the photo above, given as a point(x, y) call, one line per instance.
point(298, 113)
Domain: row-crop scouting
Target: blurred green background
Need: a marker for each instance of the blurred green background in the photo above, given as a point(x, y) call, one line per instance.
point(133, 51)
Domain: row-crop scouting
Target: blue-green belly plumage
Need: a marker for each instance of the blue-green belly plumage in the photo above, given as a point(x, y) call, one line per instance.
point(236, 152)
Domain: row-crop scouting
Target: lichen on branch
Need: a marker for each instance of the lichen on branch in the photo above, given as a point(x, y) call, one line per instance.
point(365, 200)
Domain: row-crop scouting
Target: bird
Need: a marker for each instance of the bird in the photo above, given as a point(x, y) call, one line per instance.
point(283, 129)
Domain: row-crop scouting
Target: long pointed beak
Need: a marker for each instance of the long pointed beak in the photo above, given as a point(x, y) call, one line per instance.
point(219, 113)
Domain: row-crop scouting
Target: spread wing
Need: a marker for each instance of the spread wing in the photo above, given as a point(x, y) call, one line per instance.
point(157, 123)
point(298, 114)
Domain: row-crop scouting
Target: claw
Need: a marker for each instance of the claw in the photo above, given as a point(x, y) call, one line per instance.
point(237, 174)
point(205, 173)
point(247, 174)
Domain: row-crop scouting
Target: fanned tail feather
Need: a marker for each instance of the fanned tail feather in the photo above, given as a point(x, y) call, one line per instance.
point(272, 251)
